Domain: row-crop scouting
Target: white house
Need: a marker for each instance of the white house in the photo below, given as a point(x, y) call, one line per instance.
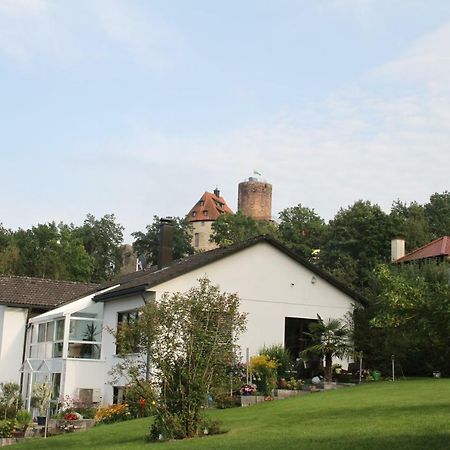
point(22, 298)
point(280, 292)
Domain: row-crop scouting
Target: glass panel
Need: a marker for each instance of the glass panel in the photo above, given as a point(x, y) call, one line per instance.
point(87, 351)
point(50, 329)
point(85, 330)
point(41, 332)
point(57, 349)
point(59, 334)
point(94, 311)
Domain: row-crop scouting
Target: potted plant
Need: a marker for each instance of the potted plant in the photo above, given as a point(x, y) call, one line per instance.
point(23, 420)
point(42, 394)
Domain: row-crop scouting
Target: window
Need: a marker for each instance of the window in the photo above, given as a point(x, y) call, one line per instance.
point(205, 212)
point(194, 213)
point(196, 239)
point(128, 317)
point(85, 336)
point(201, 202)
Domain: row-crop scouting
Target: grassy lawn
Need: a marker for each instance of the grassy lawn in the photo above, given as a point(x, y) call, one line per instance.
point(407, 415)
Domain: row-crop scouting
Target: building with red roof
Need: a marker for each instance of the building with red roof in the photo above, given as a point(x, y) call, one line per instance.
point(206, 210)
point(439, 250)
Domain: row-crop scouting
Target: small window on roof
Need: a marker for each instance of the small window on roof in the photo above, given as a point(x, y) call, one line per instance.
point(201, 202)
point(194, 213)
point(205, 212)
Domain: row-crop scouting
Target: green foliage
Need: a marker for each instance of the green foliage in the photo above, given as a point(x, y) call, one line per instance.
point(23, 418)
point(329, 339)
point(42, 394)
point(232, 228)
point(301, 229)
point(357, 239)
point(9, 398)
point(282, 357)
point(411, 223)
point(264, 371)
point(437, 211)
point(147, 244)
point(191, 338)
point(413, 313)
point(63, 252)
point(101, 239)
point(6, 428)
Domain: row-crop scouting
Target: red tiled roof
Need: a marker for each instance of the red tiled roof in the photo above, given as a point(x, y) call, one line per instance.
point(209, 207)
point(40, 293)
point(438, 247)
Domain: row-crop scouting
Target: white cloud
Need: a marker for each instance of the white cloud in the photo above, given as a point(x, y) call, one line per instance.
point(426, 62)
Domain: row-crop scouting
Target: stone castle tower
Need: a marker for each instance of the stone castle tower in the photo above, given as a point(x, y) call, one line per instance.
point(255, 199)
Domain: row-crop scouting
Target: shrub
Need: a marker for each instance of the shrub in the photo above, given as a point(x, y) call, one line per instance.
point(294, 384)
point(113, 413)
point(264, 372)
point(6, 428)
point(282, 357)
point(23, 418)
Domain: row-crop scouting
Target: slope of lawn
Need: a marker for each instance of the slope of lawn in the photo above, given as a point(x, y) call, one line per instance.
point(407, 415)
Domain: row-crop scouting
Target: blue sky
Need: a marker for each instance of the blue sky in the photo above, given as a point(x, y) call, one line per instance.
point(137, 107)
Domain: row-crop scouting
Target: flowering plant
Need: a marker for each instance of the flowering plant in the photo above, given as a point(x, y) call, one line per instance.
point(72, 416)
point(247, 389)
point(113, 413)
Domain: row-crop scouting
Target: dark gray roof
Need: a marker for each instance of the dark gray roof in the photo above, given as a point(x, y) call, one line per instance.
point(40, 293)
point(145, 279)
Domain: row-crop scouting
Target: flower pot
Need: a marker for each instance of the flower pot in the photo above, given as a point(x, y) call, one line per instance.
point(41, 420)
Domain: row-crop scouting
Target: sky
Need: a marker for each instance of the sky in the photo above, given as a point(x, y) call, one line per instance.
point(136, 107)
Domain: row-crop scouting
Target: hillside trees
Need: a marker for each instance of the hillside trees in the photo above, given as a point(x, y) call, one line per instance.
point(301, 229)
point(232, 228)
point(88, 253)
point(412, 312)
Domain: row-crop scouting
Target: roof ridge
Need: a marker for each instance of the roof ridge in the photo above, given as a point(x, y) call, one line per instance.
point(22, 277)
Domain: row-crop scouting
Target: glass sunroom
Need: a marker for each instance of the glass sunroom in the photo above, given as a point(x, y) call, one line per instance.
point(67, 341)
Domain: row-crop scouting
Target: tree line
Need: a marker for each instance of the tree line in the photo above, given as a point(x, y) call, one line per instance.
point(349, 246)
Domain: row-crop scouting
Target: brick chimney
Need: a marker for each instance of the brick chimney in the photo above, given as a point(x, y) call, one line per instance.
point(165, 242)
point(397, 248)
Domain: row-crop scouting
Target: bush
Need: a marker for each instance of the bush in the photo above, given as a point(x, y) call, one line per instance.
point(6, 428)
point(23, 418)
point(264, 373)
point(282, 357)
point(113, 413)
point(86, 412)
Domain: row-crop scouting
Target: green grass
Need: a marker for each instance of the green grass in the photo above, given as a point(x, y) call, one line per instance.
point(405, 415)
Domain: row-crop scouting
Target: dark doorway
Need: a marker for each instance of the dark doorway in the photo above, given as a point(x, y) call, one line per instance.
point(295, 340)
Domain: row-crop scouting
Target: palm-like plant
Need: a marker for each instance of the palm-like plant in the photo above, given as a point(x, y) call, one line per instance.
point(329, 339)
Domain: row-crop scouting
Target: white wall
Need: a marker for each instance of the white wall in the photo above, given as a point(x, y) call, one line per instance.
point(85, 374)
point(12, 334)
point(271, 286)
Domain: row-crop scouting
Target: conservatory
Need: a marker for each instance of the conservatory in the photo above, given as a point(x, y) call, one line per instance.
point(64, 349)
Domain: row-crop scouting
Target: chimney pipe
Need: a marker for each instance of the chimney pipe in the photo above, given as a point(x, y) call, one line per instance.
point(165, 242)
point(217, 192)
point(397, 248)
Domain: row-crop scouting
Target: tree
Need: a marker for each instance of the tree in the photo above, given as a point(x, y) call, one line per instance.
point(147, 244)
point(412, 224)
point(329, 339)
point(101, 239)
point(189, 339)
point(413, 313)
point(357, 239)
point(437, 211)
point(232, 228)
point(301, 229)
